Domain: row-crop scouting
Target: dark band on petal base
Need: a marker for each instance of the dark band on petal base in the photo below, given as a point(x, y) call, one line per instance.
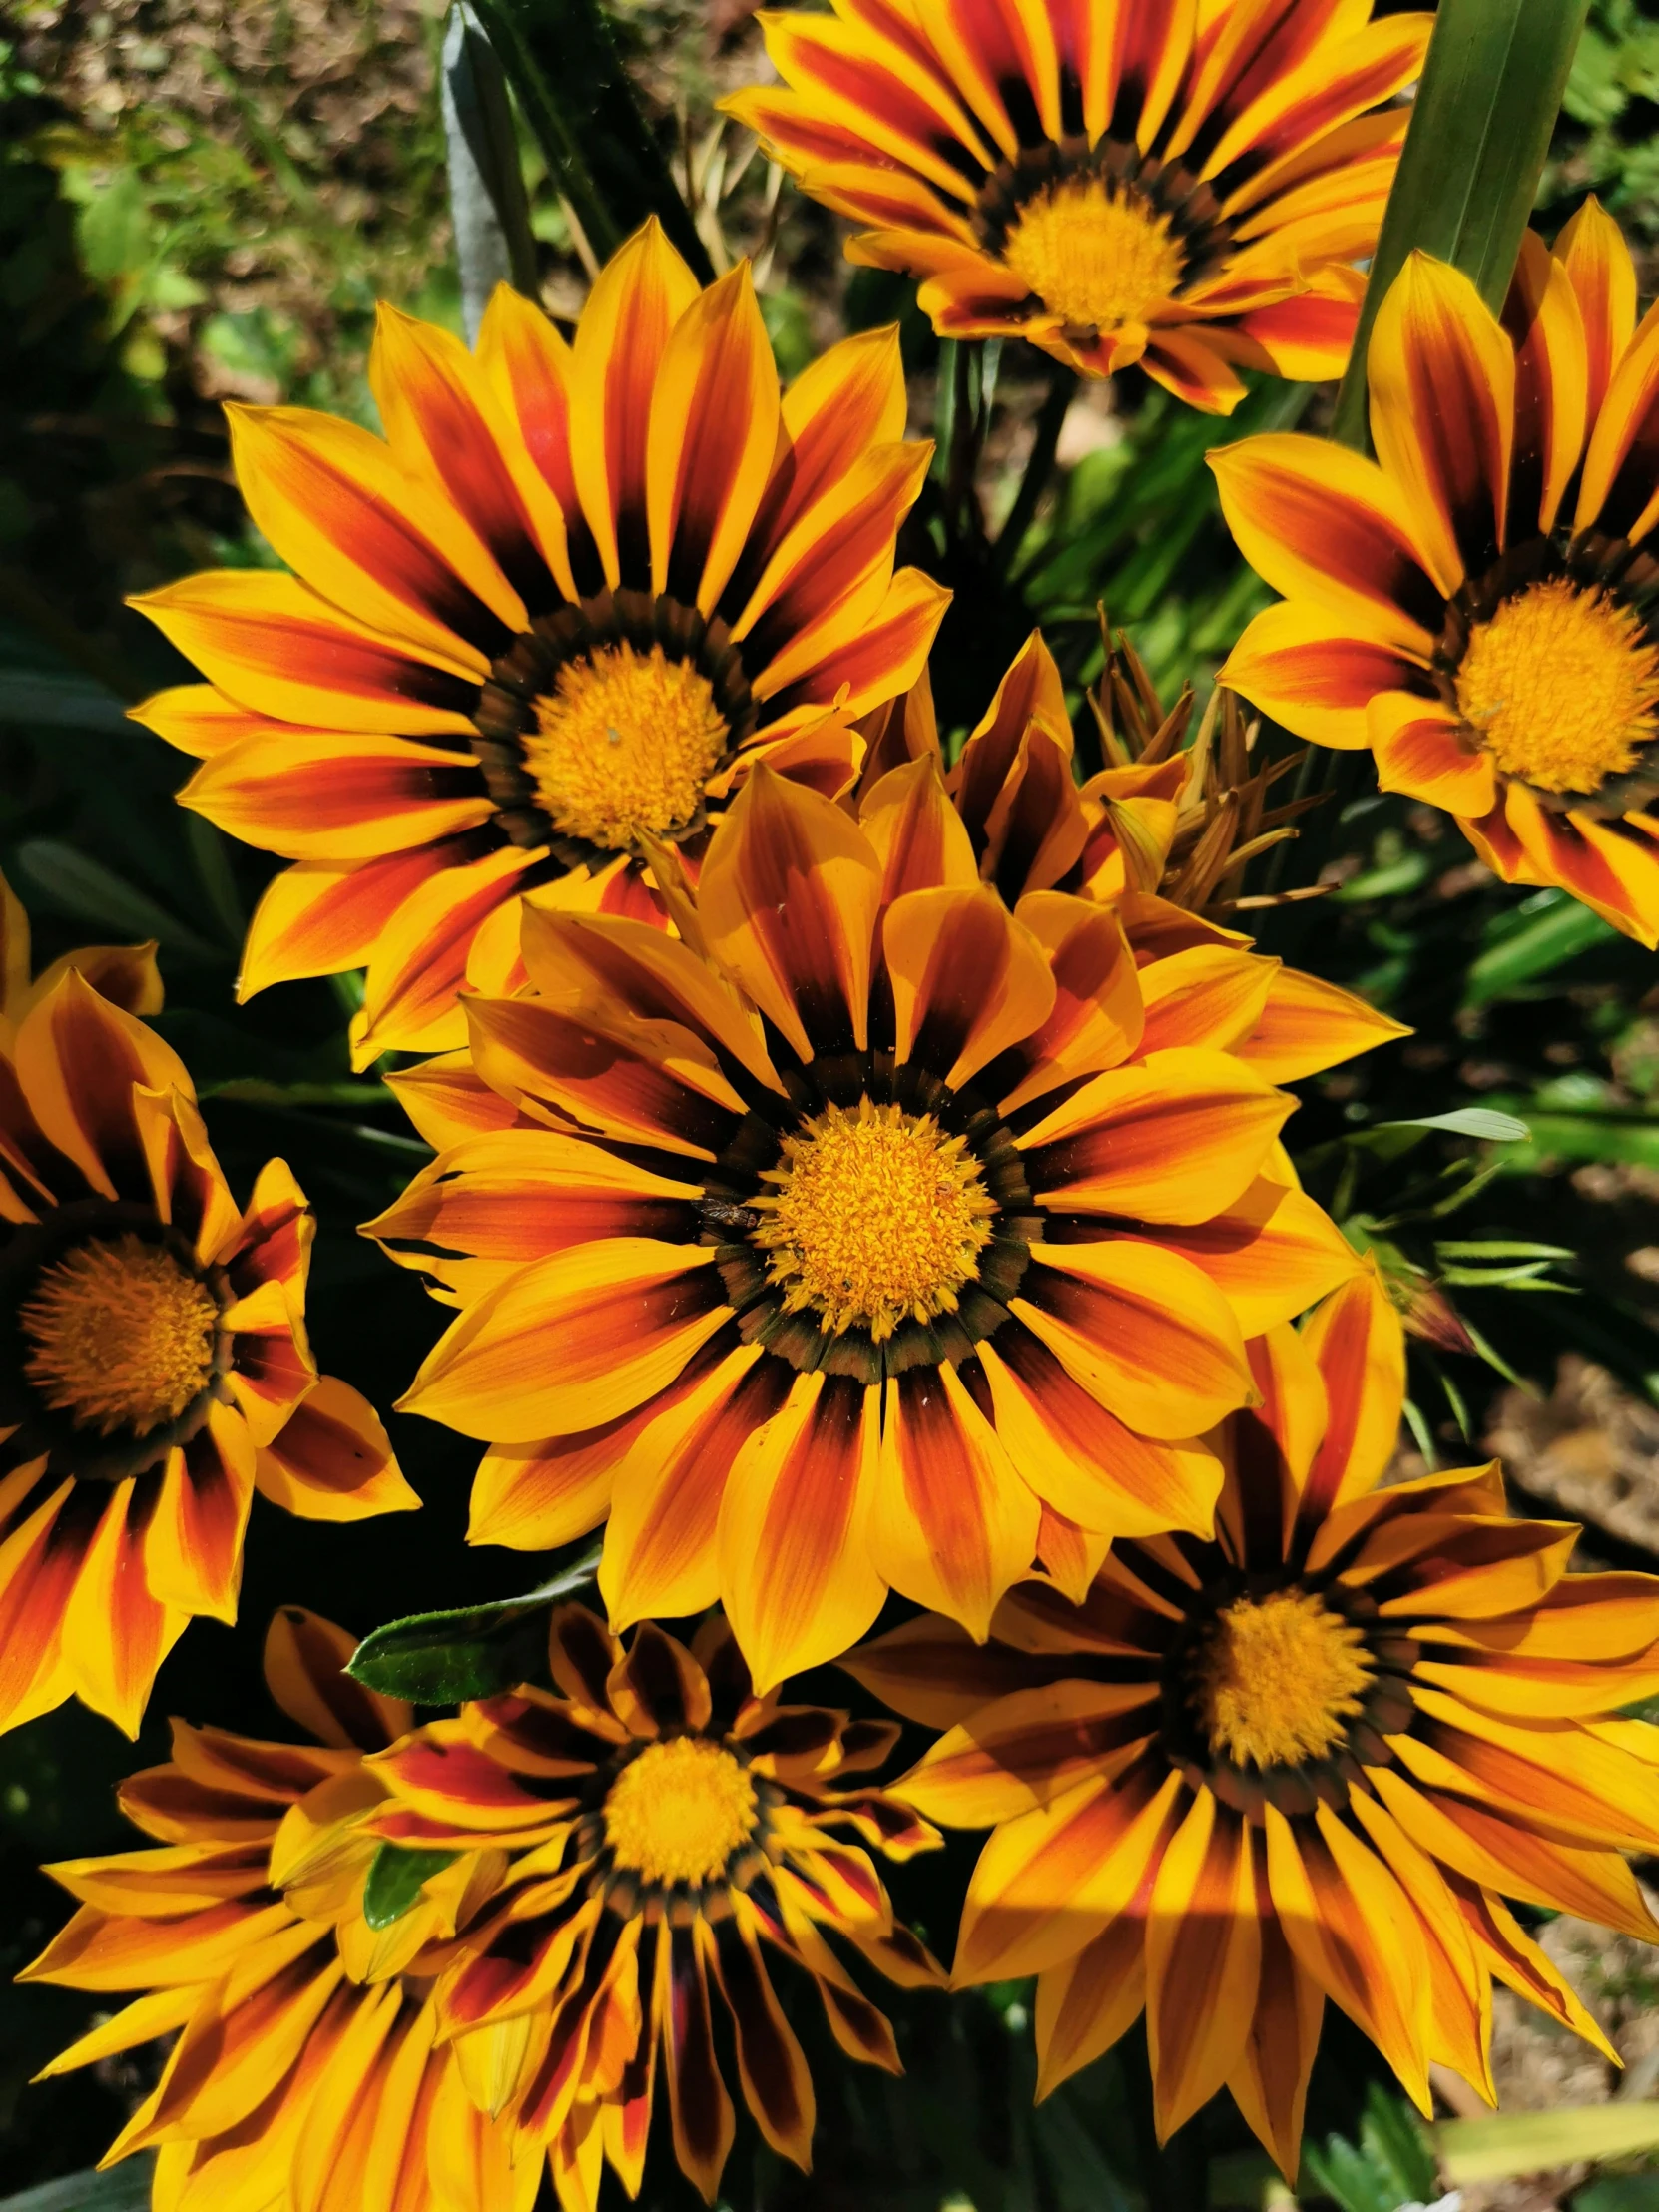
point(528, 670)
point(798, 1337)
point(40, 1430)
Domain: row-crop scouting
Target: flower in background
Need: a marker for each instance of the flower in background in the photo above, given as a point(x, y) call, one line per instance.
point(1306, 1760)
point(547, 623)
point(1475, 605)
point(125, 974)
point(673, 1839)
point(867, 1233)
point(154, 1367)
point(307, 2076)
point(1185, 188)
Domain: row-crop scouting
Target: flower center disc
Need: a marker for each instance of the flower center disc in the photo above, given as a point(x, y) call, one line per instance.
point(878, 1215)
point(1560, 687)
point(623, 745)
point(121, 1335)
point(1276, 1678)
point(679, 1810)
point(1096, 259)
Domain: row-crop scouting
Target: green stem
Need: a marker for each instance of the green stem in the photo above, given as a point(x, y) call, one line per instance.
point(1039, 468)
point(1479, 132)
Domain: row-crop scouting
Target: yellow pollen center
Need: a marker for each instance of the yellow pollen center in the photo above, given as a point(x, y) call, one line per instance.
point(1276, 1678)
point(1094, 257)
point(1560, 687)
point(880, 1215)
point(679, 1810)
point(623, 745)
point(120, 1334)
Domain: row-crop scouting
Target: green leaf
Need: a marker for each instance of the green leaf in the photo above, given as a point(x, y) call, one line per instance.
point(1555, 936)
point(394, 1881)
point(1480, 126)
point(444, 1658)
point(487, 201)
point(1470, 1121)
point(73, 883)
point(561, 58)
point(124, 2188)
point(1533, 2142)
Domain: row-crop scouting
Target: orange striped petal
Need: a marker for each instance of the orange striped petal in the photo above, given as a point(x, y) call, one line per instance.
point(1322, 524)
point(872, 646)
point(304, 1670)
point(419, 959)
point(529, 368)
point(1317, 670)
point(322, 795)
point(1177, 1138)
point(1203, 1959)
point(1084, 1462)
point(197, 719)
point(713, 434)
point(1309, 1025)
point(332, 1460)
point(115, 1633)
point(1421, 750)
point(1086, 2002)
point(1356, 1339)
point(1029, 1749)
point(968, 981)
point(77, 1060)
point(193, 1547)
point(447, 1101)
point(796, 1574)
point(1542, 318)
point(918, 836)
point(1142, 1330)
point(1210, 995)
point(932, 1671)
point(273, 646)
point(573, 1339)
point(1099, 1014)
point(789, 897)
point(1271, 1255)
point(316, 917)
point(954, 1525)
point(1592, 250)
point(636, 301)
point(1270, 2081)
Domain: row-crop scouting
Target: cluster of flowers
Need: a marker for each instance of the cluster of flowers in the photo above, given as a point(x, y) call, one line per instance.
point(852, 1179)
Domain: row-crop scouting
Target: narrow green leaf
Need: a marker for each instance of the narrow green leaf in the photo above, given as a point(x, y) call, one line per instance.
point(444, 1658)
point(1499, 1248)
point(394, 1879)
point(1470, 1121)
point(75, 884)
point(487, 201)
point(1544, 945)
point(124, 2188)
point(1534, 2142)
point(1479, 132)
point(561, 58)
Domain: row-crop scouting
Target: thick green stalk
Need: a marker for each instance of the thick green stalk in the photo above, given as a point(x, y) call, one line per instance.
point(1481, 128)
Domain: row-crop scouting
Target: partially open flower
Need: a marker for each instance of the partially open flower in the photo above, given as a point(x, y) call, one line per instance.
point(1187, 188)
point(154, 1367)
point(865, 1235)
point(307, 2076)
point(1476, 605)
point(549, 620)
point(1306, 1760)
point(676, 1839)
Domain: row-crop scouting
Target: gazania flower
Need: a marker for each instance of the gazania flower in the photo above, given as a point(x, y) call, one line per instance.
point(1031, 829)
point(307, 2076)
point(1476, 605)
point(864, 1234)
point(1187, 189)
point(673, 1838)
point(125, 974)
point(547, 625)
point(153, 1368)
point(1305, 1760)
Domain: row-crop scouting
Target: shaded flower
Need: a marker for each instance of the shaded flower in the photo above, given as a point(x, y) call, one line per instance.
point(1186, 189)
point(1475, 605)
point(154, 1367)
point(307, 2076)
point(673, 1838)
point(1306, 1760)
point(865, 1235)
point(550, 620)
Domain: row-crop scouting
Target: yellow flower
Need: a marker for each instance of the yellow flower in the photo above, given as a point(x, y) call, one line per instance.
point(156, 1371)
point(1474, 605)
point(1186, 189)
point(672, 1835)
point(307, 2076)
point(1305, 1760)
point(550, 619)
point(125, 974)
point(866, 1235)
